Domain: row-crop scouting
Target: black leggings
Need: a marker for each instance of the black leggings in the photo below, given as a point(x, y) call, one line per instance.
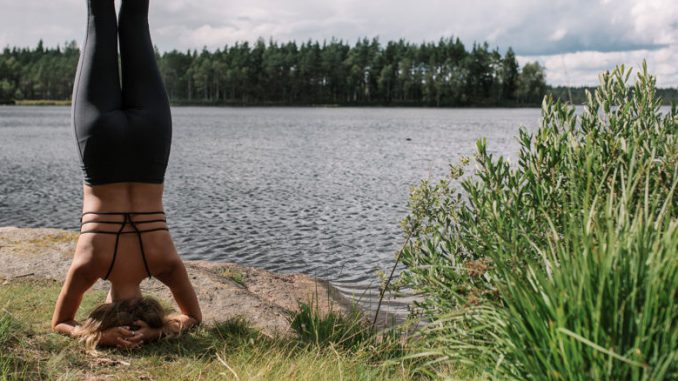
point(122, 135)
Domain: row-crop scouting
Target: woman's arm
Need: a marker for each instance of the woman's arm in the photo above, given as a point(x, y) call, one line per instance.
point(79, 279)
point(184, 294)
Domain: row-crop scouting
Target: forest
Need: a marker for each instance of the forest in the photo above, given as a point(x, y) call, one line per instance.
point(399, 73)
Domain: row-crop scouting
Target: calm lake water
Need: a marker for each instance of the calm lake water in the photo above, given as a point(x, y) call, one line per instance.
point(313, 190)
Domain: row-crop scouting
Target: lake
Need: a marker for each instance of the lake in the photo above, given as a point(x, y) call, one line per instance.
point(314, 190)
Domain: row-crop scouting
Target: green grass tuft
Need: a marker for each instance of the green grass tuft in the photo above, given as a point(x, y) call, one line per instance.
point(6, 328)
point(235, 276)
point(314, 327)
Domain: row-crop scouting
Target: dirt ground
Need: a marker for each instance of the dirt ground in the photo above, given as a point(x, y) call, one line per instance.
point(225, 290)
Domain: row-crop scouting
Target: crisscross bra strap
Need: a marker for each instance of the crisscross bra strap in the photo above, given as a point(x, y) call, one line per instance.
point(127, 220)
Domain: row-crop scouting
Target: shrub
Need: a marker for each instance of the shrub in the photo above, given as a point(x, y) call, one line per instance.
point(558, 267)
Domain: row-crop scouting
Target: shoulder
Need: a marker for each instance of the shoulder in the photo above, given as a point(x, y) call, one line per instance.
point(91, 258)
point(85, 266)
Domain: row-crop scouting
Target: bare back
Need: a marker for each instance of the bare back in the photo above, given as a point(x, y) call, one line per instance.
point(128, 264)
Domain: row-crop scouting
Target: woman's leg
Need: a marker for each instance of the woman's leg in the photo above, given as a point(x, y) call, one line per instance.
point(142, 86)
point(144, 98)
point(97, 82)
point(96, 116)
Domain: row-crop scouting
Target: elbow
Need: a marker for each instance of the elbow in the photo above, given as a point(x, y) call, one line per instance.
point(193, 320)
point(55, 325)
point(64, 327)
point(197, 319)
point(198, 315)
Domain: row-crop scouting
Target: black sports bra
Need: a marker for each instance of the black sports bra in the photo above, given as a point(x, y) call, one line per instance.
point(127, 220)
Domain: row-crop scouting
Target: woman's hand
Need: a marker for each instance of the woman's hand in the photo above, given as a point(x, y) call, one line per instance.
point(147, 333)
point(122, 337)
point(187, 322)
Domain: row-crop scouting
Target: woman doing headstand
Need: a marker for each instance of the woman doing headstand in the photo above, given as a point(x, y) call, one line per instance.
point(123, 137)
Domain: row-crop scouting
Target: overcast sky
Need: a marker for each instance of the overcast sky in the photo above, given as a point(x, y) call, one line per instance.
point(574, 39)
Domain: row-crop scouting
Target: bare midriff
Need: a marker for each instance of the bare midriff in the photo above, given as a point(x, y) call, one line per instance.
point(123, 197)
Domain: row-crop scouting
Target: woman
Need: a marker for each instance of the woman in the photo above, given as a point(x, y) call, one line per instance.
point(123, 137)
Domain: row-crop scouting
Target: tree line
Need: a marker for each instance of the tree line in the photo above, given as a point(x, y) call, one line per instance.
point(365, 73)
point(39, 73)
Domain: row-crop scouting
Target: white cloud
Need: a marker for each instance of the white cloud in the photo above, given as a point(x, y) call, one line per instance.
point(583, 68)
point(558, 34)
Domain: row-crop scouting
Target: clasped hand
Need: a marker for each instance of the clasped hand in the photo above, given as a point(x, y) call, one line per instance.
point(125, 338)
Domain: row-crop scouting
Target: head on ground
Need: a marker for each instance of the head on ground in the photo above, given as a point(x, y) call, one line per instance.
point(127, 313)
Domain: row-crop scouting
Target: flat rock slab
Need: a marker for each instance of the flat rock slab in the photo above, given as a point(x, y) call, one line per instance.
point(225, 290)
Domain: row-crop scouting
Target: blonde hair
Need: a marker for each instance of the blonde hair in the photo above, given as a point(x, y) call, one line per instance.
point(124, 313)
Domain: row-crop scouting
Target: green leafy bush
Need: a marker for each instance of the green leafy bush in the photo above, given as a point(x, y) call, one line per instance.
point(564, 265)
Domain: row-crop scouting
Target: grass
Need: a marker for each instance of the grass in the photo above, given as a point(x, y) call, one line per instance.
point(230, 350)
point(6, 328)
point(618, 317)
point(8, 365)
point(43, 102)
point(345, 331)
point(234, 275)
